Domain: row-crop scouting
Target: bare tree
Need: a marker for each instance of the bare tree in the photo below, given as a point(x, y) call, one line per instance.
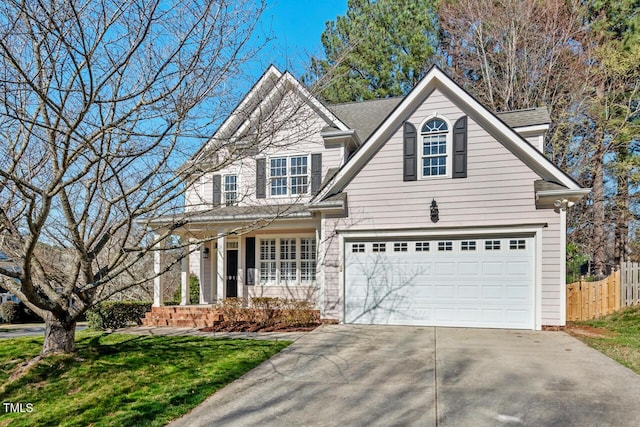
point(101, 101)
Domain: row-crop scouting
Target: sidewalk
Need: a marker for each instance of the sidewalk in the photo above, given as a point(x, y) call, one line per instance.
point(15, 330)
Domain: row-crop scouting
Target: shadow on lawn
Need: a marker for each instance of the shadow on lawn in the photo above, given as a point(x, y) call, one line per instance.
point(136, 380)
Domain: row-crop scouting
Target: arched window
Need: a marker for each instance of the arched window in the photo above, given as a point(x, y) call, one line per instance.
point(434, 147)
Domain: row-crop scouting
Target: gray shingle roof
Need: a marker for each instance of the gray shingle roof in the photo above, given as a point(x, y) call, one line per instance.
point(366, 116)
point(235, 213)
point(528, 117)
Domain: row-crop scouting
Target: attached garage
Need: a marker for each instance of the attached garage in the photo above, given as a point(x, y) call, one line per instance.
point(486, 282)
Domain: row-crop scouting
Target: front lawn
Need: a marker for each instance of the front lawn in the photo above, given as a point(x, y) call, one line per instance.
point(616, 335)
point(122, 380)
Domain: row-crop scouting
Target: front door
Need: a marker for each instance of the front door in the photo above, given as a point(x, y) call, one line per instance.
point(232, 273)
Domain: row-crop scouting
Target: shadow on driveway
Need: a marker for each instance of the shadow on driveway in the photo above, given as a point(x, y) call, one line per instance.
point(376, 375)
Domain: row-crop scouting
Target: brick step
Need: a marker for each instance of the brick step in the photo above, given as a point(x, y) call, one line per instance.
point(177, 323)
point(182, 309)
point(182, 316)
point(185, 315)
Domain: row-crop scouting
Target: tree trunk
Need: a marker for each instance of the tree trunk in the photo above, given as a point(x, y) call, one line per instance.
point(59, 337)
point(622, 218)
point(599, 221)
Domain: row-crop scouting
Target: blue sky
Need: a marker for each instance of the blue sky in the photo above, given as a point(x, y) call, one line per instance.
point(296, 26)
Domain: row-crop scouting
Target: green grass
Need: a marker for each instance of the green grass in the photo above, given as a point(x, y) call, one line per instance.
point(621, 340)
point(123, 380)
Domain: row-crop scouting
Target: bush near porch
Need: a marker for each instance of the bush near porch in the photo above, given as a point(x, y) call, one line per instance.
point(116, 314)
point(266, 314)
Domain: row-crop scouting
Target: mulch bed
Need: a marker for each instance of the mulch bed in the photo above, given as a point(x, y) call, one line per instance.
point(257, 327)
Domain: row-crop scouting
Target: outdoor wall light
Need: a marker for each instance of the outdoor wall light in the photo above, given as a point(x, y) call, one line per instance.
point(205, 253)
point(435, 214)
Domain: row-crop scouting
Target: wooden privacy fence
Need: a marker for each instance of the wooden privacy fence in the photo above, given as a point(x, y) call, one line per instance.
point(629, 283)
point(589, 300)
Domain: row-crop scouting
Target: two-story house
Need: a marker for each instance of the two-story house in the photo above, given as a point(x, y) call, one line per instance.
point(422, 210)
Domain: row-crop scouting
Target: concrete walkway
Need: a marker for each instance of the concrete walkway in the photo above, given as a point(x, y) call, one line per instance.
point(17, 330)
point(368, 375)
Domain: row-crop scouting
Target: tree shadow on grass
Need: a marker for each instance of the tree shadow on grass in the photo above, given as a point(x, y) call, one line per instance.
point(137, 380)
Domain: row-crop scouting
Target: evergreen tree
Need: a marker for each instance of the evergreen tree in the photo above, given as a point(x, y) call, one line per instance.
point(378, 49)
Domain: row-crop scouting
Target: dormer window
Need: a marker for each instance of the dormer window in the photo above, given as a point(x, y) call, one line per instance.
point(435, 155)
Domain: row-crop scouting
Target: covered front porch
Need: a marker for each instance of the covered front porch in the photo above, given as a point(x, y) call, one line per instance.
point(236, 253)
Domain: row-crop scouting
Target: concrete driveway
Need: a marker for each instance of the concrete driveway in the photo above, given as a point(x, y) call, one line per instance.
point(373, 375)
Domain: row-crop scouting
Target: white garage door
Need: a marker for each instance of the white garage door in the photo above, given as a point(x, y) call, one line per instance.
point(474, 282)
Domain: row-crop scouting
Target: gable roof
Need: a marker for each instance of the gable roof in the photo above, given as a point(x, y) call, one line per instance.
point(249, 102)
point(269, 87)
point(494, 124)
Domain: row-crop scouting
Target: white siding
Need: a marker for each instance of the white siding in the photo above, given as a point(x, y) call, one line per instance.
point(331, 295)
point(300, 136)
point(498, 191)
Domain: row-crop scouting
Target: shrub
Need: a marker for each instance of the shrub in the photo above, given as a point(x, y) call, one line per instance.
point(301, 313)
point(10, 312)
point(232, 310)
point(117, 314)
point(194, 292)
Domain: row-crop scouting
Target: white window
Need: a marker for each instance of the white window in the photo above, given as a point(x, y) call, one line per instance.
point(379, 247)
point(445, 246)
point(308, 260)
point(422, 246)
point(400, 247)
point(299, 175)
point(287, 261)
point(517, 244)
point(492, 245)
point(278, 175)
point(289, 176)
point(230, 189)
point(267, 261)
point(434, 148)
point(357, 247)
point(468, 245)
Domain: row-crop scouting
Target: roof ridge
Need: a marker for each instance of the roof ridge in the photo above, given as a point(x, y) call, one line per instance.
point(521, 110)
point(366, 100)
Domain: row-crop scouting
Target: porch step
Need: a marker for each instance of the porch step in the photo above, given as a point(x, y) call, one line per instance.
point(182, 316)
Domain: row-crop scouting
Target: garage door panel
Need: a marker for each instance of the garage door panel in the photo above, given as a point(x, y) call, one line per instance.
point(492, 268)
point(456, 287)
point(517, 292)
point(468, 268)
point(468, 292)
point(518, 268)
point(492, 292)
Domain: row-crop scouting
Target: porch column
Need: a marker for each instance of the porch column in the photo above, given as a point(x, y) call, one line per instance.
point(221, 268)
point(203, 261)
point(157, 280)
point(240, 273)
point(184, 280)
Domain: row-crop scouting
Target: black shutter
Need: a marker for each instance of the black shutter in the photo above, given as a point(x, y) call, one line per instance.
point(250, 255)
point(261, 178)
point(217, 190)
point(410, 166)
point(316, 172)
point(460, 148)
